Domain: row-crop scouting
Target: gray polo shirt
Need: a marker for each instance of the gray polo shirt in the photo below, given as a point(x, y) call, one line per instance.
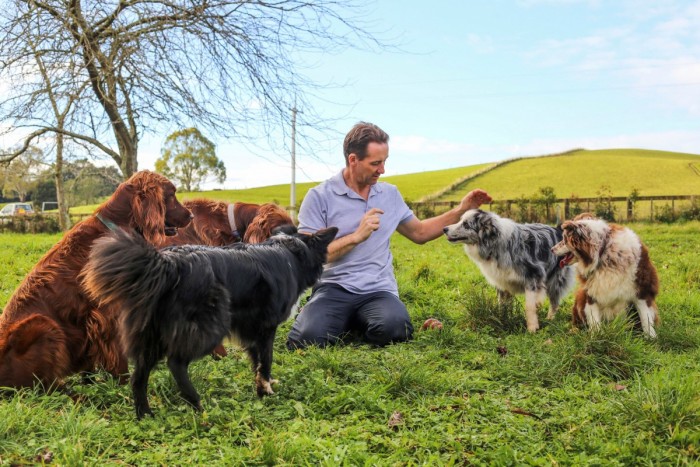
point(367, 267)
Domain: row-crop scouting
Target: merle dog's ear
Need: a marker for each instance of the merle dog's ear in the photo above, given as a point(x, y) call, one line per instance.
point(487, 226)
point(568, 225)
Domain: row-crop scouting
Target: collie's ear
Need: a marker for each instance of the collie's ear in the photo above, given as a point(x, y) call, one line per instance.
point(326, 236)
point(568, 225)
point(148, 209)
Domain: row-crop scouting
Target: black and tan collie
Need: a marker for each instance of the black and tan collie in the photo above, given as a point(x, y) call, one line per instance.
point(180, 302)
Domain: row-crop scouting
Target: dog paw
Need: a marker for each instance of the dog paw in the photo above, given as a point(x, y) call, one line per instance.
point(142, 412)
point(264, 387)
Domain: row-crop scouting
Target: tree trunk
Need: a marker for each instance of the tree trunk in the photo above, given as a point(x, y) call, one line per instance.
point(63, 216)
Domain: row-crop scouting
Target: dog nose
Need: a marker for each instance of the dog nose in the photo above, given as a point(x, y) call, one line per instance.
point(445, 229)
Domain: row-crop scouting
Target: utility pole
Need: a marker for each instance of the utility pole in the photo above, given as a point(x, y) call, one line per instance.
point(293, 187)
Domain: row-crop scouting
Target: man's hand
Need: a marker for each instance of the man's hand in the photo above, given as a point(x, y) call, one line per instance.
point(474, 199)
point(368, 224)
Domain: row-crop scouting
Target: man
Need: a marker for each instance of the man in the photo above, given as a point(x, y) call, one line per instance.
point(358, 289)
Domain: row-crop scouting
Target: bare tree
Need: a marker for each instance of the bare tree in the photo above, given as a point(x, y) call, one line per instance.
point(230, 67)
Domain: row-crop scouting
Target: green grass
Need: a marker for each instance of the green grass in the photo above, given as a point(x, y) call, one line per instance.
point(469, 394)
point(582, 173)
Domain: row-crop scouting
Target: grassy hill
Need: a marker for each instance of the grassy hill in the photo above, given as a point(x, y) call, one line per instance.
point(582, 173)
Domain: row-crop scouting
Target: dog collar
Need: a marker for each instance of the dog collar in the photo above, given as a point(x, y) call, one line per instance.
point(108, 223)
point(232, 221)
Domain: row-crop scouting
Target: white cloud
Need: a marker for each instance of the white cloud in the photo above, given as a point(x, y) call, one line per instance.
point(659, 62)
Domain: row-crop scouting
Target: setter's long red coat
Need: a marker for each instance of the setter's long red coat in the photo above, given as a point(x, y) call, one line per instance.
point(254, 223)
point(49, 329)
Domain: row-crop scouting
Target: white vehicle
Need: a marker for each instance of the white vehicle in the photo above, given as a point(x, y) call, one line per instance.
point(16, 209)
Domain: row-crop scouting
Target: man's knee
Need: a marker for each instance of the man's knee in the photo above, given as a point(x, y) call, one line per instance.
point(301, 341)
point(304, 334)
point(388, 331)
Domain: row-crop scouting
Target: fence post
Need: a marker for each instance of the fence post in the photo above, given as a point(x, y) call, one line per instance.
point(651, 210)
point(630, 214)
point(567, 209)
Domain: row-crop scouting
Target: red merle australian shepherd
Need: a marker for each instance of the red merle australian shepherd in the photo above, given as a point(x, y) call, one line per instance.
point(614, 270)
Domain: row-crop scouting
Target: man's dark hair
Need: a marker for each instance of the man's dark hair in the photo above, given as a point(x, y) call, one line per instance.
point(360, 136)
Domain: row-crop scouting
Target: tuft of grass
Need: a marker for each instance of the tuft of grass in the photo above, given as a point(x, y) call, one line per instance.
point(665, 401)
point(611, 351)
point(486, 313)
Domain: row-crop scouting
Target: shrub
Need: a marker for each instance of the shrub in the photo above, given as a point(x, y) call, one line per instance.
point(604, 208)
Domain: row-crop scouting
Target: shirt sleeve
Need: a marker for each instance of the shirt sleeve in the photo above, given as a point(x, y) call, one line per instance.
point(405, 213)
point(313, 214)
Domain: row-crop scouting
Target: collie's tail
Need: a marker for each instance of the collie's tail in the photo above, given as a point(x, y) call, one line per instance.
point(126, 271)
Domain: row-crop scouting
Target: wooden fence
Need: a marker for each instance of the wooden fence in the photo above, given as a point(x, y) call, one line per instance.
point(643, 208)
point(620, 209)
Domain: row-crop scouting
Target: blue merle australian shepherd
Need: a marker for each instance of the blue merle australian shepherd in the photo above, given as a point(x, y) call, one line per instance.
point(515, 258)
point(180, 302)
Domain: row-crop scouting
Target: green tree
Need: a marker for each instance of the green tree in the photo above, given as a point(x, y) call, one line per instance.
point(21, 174)
point(188, 158)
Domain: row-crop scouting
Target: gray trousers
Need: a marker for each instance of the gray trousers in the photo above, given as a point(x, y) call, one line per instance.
point(332, 312)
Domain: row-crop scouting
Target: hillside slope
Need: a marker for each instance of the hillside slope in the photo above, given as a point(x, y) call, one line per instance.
point(582, 173)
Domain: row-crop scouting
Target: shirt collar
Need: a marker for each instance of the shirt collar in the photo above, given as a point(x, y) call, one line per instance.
point(340, 188)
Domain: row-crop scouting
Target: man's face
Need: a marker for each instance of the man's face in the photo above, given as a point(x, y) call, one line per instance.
point(368, 170)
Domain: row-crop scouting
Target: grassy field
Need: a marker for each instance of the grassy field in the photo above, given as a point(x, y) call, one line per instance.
point(480, 392)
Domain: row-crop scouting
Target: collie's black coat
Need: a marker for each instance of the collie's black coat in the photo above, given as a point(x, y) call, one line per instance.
point(180, 302)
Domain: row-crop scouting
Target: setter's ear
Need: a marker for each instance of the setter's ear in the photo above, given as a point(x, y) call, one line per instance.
point(254, 234)
point(148, 208)
point(269, 217)
point(257, 230)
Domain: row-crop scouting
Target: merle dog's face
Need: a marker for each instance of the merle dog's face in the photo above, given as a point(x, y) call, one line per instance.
point(470, 228)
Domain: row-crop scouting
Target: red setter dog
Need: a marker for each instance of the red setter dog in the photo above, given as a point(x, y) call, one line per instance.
point(50, 329)
point(218, 223)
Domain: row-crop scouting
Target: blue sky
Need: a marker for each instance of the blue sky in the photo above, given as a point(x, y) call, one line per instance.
point(487, 80)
